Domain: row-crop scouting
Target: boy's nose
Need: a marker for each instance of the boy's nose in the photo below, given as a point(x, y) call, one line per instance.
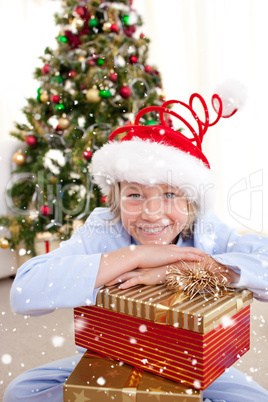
point(152, 209)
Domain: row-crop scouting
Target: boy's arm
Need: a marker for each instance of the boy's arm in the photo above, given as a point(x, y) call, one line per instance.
point(121, 263)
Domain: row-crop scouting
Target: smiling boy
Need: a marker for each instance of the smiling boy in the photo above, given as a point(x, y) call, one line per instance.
point(159, 189)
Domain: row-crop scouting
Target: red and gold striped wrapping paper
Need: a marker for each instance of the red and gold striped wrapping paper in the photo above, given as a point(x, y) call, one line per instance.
point(155, 329)
point(101, 379)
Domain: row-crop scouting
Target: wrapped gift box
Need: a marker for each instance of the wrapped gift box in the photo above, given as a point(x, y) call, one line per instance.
point(156, 329)
point(101, 379)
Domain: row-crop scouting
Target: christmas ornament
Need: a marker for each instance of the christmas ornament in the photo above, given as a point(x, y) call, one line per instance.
point(150, 123)
point(4, 243)
point(196, 278)
point(81, 59)
point(103, 200)
point(45, 210)
point(114, 28)
point(44, 97)
point(60, 106)
point(19, 158)
point(31, 140)
point(113, 77)
point(72, 74)
point(105, 93)
point(63, 123)
point(80, 11)
point(45, 69)
point(93, 22)
point(55, 98)
point(87, 154)
point(78, 23)
point(148, 69)
point(106, 27)
point(125, 91)
point(101, 61)
point(126, 20)
point(133, 59)
point(91, 62)
point(62, 39)
point(93, 96)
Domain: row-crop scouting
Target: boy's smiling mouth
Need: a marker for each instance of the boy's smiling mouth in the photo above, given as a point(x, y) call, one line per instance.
point(153, 229)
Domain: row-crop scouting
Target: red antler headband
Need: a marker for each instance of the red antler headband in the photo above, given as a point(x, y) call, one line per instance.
point(159, 154)
point(172, 137)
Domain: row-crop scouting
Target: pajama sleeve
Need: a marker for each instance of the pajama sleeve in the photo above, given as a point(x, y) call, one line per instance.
point(66, 277)
point(246, 254)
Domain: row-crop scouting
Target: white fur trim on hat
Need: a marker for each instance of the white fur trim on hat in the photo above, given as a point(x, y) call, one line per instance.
point(149, 163)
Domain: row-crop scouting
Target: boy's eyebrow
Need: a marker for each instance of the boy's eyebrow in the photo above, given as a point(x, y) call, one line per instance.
point(132, 187)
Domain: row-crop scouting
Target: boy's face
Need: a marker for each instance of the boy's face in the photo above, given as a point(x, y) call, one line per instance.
point(152, 214)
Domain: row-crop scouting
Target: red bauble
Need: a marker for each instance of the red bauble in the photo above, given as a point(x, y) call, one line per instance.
point(87, 155)
point(103, 200)
point(55, 99)
point(142, 36)
point(45, 69)
point(72, 74)
point(114, 28)
point(125, 92)
point(148, 69)
point(133, 59)
point(81, 11)
point(113, 77)
point(31, 140)
point(45, 210)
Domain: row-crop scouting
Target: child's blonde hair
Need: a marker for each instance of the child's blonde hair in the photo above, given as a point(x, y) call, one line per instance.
point(113, 202)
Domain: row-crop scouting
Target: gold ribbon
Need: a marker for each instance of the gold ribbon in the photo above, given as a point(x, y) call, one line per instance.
point(130, 388)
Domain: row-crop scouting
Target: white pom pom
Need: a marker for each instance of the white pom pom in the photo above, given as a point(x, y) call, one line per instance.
point(233, 95)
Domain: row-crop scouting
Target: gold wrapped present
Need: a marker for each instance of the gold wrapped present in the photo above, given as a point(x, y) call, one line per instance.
point(156, 329)
point(101, 379)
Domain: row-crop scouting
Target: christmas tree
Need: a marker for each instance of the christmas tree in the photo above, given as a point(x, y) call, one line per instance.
point(93, 82)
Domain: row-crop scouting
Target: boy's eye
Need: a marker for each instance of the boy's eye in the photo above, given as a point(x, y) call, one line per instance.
point(135, 196)
point(170, 195)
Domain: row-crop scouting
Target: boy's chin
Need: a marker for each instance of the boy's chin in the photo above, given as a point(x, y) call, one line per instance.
point(157, 242)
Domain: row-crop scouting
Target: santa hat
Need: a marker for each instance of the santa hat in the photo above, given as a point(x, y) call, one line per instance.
point(158, 154)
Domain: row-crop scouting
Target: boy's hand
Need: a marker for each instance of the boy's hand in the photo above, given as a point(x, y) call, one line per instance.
point(156, 256)
point(225, 275)
point(141, 276)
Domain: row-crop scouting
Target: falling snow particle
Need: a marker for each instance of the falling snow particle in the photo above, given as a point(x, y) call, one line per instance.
point(142, 328)
point(101, 381)
point(197, 384)
point(57, 341)
point(6, 359)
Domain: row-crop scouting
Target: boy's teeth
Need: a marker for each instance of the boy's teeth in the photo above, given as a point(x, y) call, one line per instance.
point(151, 230)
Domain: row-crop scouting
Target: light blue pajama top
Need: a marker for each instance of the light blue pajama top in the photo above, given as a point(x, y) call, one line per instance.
point(65, 277)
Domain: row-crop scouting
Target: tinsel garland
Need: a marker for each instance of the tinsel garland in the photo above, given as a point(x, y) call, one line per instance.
point(197, 278)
